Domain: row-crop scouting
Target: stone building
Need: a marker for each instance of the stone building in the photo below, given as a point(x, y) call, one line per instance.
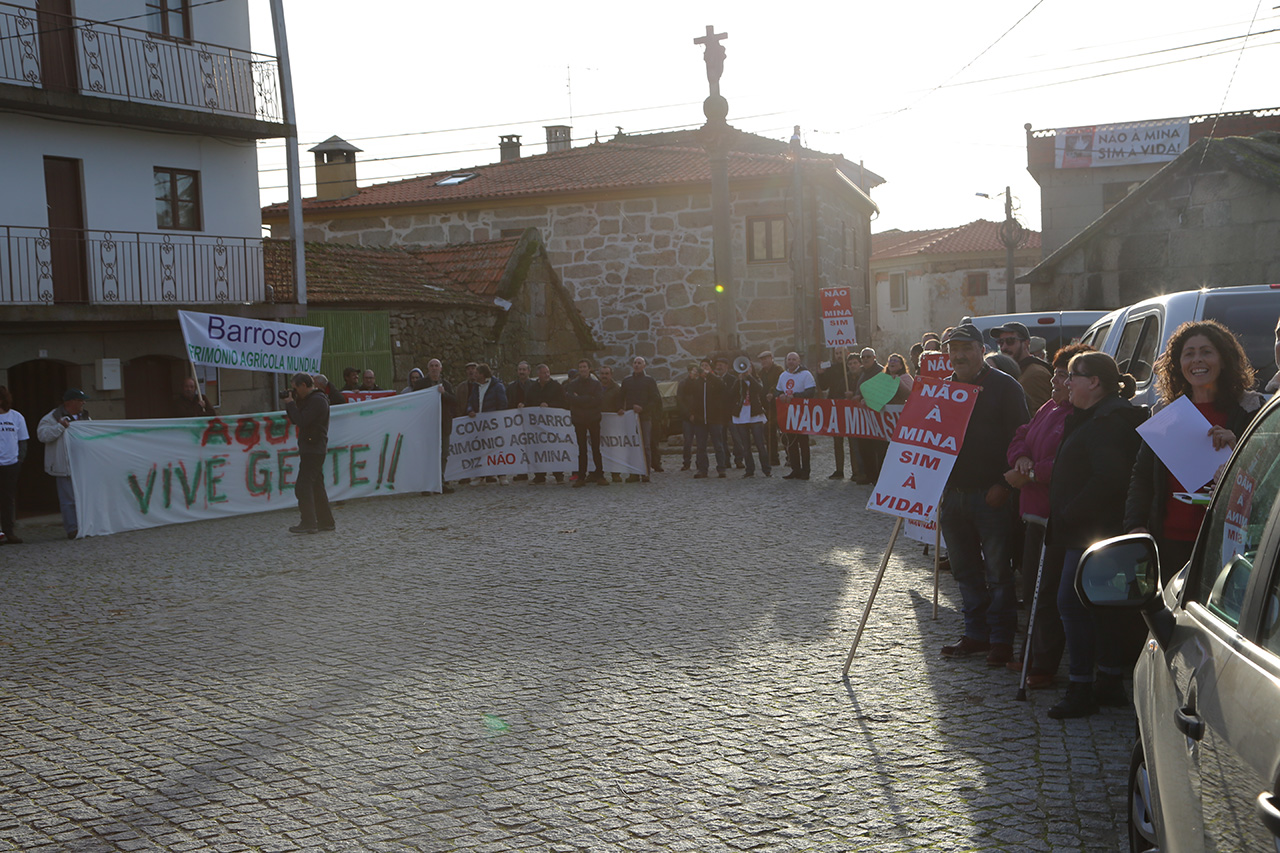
point(1209, 218)
point(393, 309)
point(628, 228)
point(928, 280)
point(1085, 171)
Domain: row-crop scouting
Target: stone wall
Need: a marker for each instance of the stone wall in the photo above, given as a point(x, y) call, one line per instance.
point(1220, 229)
point(639, 269)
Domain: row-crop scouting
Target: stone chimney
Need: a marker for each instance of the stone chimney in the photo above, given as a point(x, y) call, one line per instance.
point(335, 169)
point(509, 147)
point(559, 137)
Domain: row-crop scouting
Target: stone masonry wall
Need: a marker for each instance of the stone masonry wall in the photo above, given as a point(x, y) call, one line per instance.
point(640, 270)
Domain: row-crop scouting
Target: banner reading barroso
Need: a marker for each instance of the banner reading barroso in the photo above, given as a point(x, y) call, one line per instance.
point(248, 344)
point(144, 473)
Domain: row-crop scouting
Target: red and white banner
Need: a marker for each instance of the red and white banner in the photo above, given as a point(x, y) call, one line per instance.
point(1120, 144)
point(924, 449)
point(935, 364)
point(837, 418)
point(361, 396)
point(837, 317)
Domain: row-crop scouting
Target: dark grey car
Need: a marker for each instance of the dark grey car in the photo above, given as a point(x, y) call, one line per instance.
point(1206, 764)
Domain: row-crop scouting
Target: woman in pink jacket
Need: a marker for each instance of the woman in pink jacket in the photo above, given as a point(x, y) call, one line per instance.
point(1031, 453)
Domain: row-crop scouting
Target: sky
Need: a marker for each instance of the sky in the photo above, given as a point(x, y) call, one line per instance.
point(933, 96)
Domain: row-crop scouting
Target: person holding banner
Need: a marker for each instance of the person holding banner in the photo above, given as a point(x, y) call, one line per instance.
point(545, 393)
point(191, 403)
point(1086, 505)
point(640, 394)
point(448, 410)
point(837, 381)
point(976, 514)
point(57, 463)
point(309, 412)
point(1205, 363)
point(585, 396)
point(870, 450)
point(769, 374)
point(795, 381)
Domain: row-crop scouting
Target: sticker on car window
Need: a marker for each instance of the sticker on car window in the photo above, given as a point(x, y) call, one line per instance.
point(1235, 523)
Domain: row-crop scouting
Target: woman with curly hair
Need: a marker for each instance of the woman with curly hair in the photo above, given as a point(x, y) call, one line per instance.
point(1205, 363)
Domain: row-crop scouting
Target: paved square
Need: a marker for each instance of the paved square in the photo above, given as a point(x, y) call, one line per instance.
point(508, 668)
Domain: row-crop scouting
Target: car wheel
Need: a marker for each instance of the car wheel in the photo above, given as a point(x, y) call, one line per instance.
point(1142, 827)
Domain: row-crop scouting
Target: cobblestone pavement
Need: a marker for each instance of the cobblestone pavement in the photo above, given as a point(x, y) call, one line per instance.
point(639, 667)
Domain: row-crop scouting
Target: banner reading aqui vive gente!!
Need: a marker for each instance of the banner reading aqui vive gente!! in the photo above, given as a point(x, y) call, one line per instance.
point(924, 449)
point(538, 441)
point(145, 473)
point(837, 418)
point(244, 343)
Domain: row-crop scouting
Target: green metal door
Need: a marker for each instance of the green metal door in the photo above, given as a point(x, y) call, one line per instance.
point(359, 339)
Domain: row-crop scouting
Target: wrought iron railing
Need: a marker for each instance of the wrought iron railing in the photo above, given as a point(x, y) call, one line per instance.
point(48, 266)
point(45, 50)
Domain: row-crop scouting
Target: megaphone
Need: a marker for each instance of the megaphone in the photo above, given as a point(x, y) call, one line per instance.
point(741, 364)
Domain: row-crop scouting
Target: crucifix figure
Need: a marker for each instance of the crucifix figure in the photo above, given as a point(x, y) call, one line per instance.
point(713, 56)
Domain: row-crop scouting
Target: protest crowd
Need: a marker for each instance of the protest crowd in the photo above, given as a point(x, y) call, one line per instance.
point(1051, 462)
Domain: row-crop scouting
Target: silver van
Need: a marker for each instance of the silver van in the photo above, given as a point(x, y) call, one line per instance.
point(1135, 336)
point(1056, 327)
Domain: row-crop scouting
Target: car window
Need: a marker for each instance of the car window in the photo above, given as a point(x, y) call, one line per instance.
point(1235, 522)
point(1252, 318)
point(1097, 337)
point(1136, 354)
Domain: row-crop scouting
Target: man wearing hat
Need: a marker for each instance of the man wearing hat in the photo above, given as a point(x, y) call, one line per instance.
point(57, 460)
point(1037, 376)
point(977, 513)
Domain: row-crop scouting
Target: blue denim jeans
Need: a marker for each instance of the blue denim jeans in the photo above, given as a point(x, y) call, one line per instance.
point(745, 435)
point(1091, 638)
point(716, 432)
point(978, 540)
point(688, 441)
point(67, 503)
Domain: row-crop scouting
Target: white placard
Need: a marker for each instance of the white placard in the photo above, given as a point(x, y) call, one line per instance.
point(1179, 435)
point(538, 441)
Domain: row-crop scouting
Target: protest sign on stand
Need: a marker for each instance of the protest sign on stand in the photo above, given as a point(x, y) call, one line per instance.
point(837, 317)
point(935, 364)
point(916, 468)
point(135, 474)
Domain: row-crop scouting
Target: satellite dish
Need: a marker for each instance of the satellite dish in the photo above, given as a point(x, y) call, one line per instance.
point(741, 364)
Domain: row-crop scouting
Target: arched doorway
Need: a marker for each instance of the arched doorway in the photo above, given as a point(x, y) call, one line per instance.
point(150, 384)
point(36, 387)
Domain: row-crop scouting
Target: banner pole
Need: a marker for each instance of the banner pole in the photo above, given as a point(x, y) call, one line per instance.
point(937, 561)
point(897, 527)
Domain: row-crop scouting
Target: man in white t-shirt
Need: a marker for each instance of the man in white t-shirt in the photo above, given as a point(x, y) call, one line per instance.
point(795, 381)
point(13, 449)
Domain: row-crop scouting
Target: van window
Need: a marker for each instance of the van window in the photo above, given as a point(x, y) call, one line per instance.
point(1252, 318)
point(1136, 354)
point(1097, 337)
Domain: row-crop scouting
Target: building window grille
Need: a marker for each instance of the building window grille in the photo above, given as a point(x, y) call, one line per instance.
point(177, 199)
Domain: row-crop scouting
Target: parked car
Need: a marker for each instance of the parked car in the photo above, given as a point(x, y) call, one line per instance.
point(1056, 327)
point(1205, 767)
point(1135, 336)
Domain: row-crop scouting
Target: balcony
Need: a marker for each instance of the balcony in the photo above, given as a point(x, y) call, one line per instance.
point(86, 271)
point(91, 69)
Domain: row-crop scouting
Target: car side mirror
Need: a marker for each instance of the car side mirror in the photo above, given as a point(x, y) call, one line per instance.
point(1124, 572)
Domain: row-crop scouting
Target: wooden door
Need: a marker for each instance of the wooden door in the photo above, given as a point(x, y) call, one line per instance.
point(58, 69)
point(66, 229)
point(37, 388)
point(150, 384)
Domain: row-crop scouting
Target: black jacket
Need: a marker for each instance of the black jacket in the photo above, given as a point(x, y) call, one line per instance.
point(642, 391)
point(745, 388)
point(448, 401)
point(518, 392)
point(1091, 473)
point(612, 398)
point(311, 417)
point(1000, 409)
point(585, 397)
point(1149, 483)
point(835, 380)
point(552, 394)
point(706, 399)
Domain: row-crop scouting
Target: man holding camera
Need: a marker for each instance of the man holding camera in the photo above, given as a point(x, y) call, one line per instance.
point(309, 412)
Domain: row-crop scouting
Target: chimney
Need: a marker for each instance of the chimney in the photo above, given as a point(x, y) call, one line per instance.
point(335, 169)
point(559, 137)
point(509, 147)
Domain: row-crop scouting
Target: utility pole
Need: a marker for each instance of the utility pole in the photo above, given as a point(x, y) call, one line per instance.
point(1012, 234)
point(715, 139)
point(799, 301)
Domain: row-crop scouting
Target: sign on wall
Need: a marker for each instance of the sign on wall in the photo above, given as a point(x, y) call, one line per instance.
point(1120, 144)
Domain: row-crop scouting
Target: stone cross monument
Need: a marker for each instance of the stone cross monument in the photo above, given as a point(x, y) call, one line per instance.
point(715, 138)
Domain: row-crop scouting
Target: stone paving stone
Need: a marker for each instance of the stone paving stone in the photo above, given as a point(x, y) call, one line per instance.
point(507, 668)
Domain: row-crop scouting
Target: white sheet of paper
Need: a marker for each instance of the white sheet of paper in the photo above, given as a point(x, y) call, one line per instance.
point(1179, 435)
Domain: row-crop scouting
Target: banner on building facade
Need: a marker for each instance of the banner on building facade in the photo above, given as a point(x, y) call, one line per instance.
point(135, 474)
point(538, 441)
point(837, 418)
point(1120, 144)
point(244, 343)
point(924, 449)
point(837, 317)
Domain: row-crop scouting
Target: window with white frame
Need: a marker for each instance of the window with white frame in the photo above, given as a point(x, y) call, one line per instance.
point(898, 291)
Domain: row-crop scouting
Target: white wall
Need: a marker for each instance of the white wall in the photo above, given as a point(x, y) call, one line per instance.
point(935, 301)
point(117, 167)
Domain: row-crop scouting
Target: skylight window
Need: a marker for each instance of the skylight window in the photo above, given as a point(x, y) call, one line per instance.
point(454, 180)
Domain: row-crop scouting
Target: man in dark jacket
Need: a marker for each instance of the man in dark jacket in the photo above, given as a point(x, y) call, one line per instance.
point(728, 436)
point(871, 451)
point(546, 393)
point(585, 396)
point(747, 412)
point(684, 390)
point(838, 381)
point(518, 391)
point(191, 403)
point(976, 515)
point(640, 394)
point(309, 412)
point(770, 371)
point(707, 404)
point(448, 410)
point(612, 401)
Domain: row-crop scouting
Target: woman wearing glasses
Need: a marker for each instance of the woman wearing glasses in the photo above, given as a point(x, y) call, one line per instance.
point(1086, 504)
point(1205, 363)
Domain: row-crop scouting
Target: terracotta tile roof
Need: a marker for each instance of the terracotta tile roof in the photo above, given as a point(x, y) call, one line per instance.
point(466, 274)
point(978, 236)
point(616, 165)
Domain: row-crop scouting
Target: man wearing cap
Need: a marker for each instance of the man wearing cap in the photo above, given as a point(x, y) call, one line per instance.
point(769, 373)
point(1037, 376)
point(976, 514)
point(871, 451)
point(57, 460)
